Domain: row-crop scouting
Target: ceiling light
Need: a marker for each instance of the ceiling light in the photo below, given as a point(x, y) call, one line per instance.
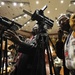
point(25, 15)
point(48, 12)
point(19, 16)
point(21, 4)
point(12, 19)
point(2, 3)
point(15, 4)
point(58, 23)
point(37, 2)
point(74, 3)
point(69, 5)
point(19, 29)
point(55, 8)
point(62, 1)
point(24, 24)
point(16, 18)
point(28, 22)
point(61, 14)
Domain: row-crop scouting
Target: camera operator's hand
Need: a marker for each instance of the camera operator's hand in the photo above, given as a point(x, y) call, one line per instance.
point(16, 39)
point(12, 36)
point(31, 46)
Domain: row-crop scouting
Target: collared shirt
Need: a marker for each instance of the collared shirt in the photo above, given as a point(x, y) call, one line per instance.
point(69, 51)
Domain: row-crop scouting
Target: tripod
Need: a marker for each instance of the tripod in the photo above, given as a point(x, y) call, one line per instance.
point(5, 24)
point(42, 45)
point(3, 55)
point(42, 42)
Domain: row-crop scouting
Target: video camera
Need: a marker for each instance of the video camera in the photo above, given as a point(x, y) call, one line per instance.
point(38, 15)
point(8, 24)
point(42, 20)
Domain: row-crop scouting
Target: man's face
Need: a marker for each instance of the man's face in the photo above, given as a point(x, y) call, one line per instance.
point(72, 24)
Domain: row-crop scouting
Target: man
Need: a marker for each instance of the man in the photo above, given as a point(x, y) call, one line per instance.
point(59, 45)
point(24, 63)
point(69, 48)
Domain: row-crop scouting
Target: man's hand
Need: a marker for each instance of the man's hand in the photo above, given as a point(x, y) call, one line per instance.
point(12, 36)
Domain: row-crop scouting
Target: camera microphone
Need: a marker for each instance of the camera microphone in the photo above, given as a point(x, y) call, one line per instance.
point(44, 7)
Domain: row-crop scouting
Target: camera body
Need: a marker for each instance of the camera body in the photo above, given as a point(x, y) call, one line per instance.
point(8, 24)
point(38, 15)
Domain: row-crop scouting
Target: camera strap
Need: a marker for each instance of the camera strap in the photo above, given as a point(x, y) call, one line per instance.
point(68, 38)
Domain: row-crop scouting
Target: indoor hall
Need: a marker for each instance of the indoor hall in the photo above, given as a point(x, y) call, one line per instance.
point(30, 31)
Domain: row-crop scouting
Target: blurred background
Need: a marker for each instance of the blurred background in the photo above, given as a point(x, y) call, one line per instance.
point(13, 10)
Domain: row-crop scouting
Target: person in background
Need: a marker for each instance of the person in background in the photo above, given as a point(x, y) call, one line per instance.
point(59, 45)
point(23, 60)
point(69, 48)
point(65, 29)
point(57, 63)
